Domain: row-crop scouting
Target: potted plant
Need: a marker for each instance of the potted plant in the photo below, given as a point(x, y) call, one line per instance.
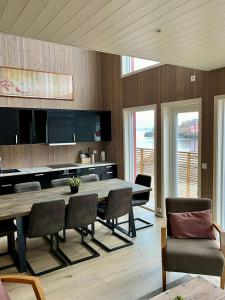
point(74, 184)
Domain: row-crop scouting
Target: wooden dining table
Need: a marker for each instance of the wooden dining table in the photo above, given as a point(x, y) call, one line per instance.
point(17, 205)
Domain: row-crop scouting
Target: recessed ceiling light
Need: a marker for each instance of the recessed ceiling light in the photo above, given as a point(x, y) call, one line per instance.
point(158, 30)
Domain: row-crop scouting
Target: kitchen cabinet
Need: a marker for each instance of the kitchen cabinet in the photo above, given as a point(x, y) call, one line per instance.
point(61, 126)
point(8, 126)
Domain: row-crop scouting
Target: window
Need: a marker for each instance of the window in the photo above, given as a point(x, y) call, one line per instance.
point(131, 64)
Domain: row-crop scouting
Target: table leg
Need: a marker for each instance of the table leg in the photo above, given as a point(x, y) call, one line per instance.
point(22, 263)
point(132, 223)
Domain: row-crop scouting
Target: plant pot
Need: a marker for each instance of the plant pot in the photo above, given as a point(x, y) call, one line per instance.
point(74, 189)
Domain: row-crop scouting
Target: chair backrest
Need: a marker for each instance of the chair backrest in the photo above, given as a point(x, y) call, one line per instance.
point(174, 205)
point(118, 203)
point(89, 178)
point(81, 211)
point(46, 218)
point(27, 187)
point(144, 180)
point(59, 182)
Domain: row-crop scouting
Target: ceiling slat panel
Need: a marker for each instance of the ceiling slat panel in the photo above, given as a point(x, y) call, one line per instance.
point(29, 13)
point(10, 14)
point(141, 13)
point(46, 15)
point(113, 19)
point(174, 31)
point(68, 11)
point(3, 4)
point(84, 14)
point(95, 19)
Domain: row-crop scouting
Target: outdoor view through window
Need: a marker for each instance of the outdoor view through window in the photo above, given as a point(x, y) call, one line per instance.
point(131, 64)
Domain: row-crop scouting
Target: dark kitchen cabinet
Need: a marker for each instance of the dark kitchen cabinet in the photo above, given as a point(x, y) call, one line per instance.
point(105, 124)
point(61, 126)
point(8, 126)
point(25, 130)
point(85, 126)
point(39, 126)
point(108, 172)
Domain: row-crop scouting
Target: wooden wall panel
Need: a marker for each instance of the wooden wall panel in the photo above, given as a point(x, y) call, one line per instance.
point(84, 65)
point(155, 86)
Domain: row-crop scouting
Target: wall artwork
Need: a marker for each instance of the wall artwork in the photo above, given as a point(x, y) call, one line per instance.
point(35, 84)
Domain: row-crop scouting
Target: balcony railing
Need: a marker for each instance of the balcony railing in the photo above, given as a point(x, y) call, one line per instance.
point(187, 163)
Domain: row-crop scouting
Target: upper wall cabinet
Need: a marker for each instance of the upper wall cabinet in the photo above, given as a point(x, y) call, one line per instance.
point(61, 127)
point(33, 126)
point(8, 126)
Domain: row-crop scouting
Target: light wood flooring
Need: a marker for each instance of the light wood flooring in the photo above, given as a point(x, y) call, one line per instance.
point(128, 273)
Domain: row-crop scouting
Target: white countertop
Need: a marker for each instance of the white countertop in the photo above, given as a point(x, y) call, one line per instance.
point(44, 169)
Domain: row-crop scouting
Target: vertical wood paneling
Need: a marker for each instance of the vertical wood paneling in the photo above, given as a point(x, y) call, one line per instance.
point(155, 86)
point(84, 65)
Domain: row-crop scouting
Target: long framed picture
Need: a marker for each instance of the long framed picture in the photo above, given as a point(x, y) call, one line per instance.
point(35, 84)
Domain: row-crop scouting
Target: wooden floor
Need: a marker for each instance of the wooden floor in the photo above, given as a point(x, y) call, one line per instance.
point(128, 273)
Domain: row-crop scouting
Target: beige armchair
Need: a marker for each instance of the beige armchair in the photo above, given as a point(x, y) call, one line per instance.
point(195, 256)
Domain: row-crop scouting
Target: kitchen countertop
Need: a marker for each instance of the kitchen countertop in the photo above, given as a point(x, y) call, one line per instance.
point(45, 169)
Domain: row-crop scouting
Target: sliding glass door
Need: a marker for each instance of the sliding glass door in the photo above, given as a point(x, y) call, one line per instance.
point(139, 125)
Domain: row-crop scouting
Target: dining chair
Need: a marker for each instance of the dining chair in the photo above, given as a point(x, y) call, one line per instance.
point(116, 205)
point(81, 212)
point(23, 279)
point(8, 228)
point(89, 178)
point(191, 255)
point(27, 186)
point(59, 182)
point(139, 200)
point(46, 219)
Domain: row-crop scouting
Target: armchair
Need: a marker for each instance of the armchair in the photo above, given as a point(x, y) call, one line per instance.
point(195, 256)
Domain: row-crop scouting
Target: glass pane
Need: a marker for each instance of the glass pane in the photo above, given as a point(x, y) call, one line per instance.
point(144, 147)
point(187, 154)
point(131, 64)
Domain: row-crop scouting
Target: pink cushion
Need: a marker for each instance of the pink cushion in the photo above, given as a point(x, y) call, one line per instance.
point(3, 293)
point(197, 224)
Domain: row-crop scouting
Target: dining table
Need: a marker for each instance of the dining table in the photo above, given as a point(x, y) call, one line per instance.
point(17, 205)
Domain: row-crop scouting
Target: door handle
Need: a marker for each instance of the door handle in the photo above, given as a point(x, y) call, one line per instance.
point(91, 168)
point(38, 175)
point(109, 172)
point(16, 139)
point(74, 138)
point(108, 167)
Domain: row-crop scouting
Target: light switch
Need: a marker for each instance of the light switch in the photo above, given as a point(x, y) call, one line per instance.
point(204, 166)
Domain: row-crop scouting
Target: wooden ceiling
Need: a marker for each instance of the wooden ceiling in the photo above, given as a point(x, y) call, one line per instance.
point(192, 31)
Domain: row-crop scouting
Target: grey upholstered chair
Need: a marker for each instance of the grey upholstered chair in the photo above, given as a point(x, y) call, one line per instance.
point(195, 256)
point(81, 212)
point(59, 182)
point(117, 204)
point(8, 228)
point(89, 178)
point(46, 219)
point(27, 187)
point(140, 199)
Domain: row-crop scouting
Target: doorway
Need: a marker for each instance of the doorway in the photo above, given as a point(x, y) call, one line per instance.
point(139, 146)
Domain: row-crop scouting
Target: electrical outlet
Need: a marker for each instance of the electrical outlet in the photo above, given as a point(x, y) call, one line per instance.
point(192, 78)
point(204, 166)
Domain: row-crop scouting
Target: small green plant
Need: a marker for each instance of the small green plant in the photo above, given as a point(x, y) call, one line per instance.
point(178, 298)
point(74, 181)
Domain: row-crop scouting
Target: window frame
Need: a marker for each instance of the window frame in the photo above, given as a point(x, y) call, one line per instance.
point(137, 71)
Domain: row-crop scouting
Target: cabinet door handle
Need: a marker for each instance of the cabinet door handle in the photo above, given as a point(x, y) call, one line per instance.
point(91, 168)
point(74, 138)
point(109, 172)
point(38, 175)
point(108, 167)
point(16, 139)
point(5, 185)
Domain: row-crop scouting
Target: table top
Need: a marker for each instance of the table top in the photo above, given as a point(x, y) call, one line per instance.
point(197, 288)
point(19, 204)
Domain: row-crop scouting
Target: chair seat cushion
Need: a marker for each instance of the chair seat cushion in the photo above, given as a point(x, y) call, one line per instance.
point(138, 202)
point(196, 256)
point(7, 227)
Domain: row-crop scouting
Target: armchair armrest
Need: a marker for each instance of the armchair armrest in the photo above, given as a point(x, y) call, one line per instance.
point(222, 237)
point(34, 281)
point(163, 243)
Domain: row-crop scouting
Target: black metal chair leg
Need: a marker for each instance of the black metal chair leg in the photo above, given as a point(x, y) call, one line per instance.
point(54, 250)
point(112, 227)
point(93, 252)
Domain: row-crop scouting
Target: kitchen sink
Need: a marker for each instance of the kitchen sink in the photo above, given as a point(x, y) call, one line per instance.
point(5, 171)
